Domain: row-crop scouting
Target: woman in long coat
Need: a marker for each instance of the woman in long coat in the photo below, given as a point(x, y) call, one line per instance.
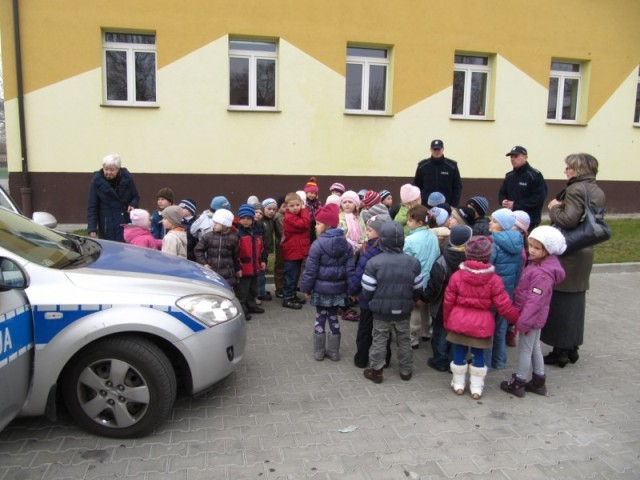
point(564, 329)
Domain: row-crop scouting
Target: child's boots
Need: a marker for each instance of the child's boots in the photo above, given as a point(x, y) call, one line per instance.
point(374, 375)
point(515, 386)
point(459, 379)
point(333, 347)
point(537, 384)
point(318, 346)
point(476, 381)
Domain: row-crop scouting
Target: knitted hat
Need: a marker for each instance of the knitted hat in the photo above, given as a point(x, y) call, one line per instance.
point(165, 193)
point(350, 195)
point(505, 218)
point(220, 202)
point(377, 209)
point(362, 192)
point(173, 213)
point(463, 215)
point(302, 196)
point(188, 204)
point(333, 199)
point(409, 193)
point(440, 214)
point(435, 199)
point(223, 217)
point(553, 241)
point(479, 204)
point(337, 186)
point(375, 222)
point(371, 198)
point(460, 235)
point(280, 200)
point(523, 221)
point(140, 218)
point(269, 201)
point(384, 194)
point(246, 210)
point(478, 248)
point(328, 215)
point(253, 200)
point(311, 185)
point(445, 206)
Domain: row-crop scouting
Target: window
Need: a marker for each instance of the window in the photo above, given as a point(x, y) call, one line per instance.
point(252, 75)
point(636, 115)
point(564, 92)
point(129, 68)
point(470, 86)
point(367, 80)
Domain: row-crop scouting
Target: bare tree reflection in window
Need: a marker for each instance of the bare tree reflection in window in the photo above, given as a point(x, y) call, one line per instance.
point(457, 100)
point(266, 83)
point(377, 87)
point(353, 96)
point(239, 81)
point(145, 77)
point(116, 75)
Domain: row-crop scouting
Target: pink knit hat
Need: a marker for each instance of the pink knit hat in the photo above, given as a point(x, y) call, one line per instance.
point(409, 193)
point(140, 218)
point(350, 195)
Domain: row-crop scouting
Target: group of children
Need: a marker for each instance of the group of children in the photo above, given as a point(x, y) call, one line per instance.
point(451, 275)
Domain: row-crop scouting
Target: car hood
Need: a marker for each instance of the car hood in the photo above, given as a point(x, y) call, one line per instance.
point(123, 258)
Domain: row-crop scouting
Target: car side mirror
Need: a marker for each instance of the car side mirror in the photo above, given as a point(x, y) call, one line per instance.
point(12, 276)
point(45, 219)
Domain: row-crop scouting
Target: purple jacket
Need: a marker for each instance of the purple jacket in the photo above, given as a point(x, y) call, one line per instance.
point(532, 296)
point(329, 264)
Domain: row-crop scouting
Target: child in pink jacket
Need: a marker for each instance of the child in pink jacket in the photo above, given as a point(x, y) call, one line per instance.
point(138, 231)
point(533, 297)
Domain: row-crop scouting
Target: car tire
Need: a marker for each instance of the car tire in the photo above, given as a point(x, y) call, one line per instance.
point(120, 387)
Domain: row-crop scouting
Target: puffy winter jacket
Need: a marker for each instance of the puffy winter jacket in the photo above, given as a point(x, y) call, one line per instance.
point(295, 235)
point(142, 237)
point(392, 280)
point(252, 251)
point(468, 299)
point(507, 257)
point(422, 244)
point(533, 293)
point(329, 264)
point(220, 250)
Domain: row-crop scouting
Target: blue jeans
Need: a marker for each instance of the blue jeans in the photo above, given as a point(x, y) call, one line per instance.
point(291, 274)
point(460, 355)
point(262, 284)
point(496, 357)
point(439, 345)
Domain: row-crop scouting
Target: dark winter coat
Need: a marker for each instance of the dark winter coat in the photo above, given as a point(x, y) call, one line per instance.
point(108, 204)
point(439, 175)
point(252, 251)
point(533, 293)
point(525, 186)
point(295, 235)
point(369, 250)
point(441, 272)
point(220, 250)
point(468, 300)
point(577, 265)
point(507, 257)
point(481, 226)
point(392, 280)
point(329, 264)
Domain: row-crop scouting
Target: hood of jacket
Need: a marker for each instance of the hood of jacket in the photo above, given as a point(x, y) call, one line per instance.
point(510, 241)
point(332, 242)
point(551, 266)
point(392, 237)
point(453, 257)
point(475, 273)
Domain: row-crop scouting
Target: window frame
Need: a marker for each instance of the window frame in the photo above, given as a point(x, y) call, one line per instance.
point(636, 112)
point(561, 76)
point(367, 62)
point(130, 49)
point(469, 69)
point(253, 57)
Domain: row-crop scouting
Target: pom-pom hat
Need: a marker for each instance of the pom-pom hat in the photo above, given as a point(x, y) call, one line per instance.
point(551, 238)
point(311, 186)
point(328, 215)
point(478, 248)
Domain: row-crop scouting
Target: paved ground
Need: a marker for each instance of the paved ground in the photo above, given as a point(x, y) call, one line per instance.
point(280, 415)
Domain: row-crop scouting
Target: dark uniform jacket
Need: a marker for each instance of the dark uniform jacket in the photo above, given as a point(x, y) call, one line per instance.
point(525, 186)
point(439, 175)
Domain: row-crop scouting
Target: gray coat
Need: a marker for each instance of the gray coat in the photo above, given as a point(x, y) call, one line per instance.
point(577, 265)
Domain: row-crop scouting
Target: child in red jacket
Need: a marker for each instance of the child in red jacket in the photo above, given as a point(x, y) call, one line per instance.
point(468, 317)
point(253, 259)
point(295, 248)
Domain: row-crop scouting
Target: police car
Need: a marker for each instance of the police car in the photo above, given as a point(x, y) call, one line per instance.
point(111, 330)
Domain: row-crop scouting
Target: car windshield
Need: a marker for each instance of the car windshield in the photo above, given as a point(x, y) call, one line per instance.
point(6, 202)
point(43, 246)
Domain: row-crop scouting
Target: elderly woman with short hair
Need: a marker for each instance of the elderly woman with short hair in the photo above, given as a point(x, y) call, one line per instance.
point(564, 329)
point(112, 195)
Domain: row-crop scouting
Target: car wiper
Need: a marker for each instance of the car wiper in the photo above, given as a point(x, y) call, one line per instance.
point(72, 262)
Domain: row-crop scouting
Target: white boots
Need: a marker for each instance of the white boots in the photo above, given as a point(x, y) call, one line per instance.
point(459, 380)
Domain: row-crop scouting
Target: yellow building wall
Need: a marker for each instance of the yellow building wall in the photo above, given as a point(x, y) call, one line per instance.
point(192, 131)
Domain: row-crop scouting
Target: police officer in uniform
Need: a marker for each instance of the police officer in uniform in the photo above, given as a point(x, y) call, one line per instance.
point(439, 174)
point(524, 187)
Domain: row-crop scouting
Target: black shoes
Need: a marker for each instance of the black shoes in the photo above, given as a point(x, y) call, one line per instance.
point(256, 310)
point(291, 303)
point(557, 357)
point(436, 366)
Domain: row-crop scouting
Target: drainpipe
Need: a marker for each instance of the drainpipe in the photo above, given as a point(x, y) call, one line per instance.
point(25, 190)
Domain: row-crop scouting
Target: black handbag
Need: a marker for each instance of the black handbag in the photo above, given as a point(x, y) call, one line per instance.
point(591, 230)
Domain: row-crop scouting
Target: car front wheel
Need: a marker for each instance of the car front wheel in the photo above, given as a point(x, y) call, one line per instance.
point(120, 387)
